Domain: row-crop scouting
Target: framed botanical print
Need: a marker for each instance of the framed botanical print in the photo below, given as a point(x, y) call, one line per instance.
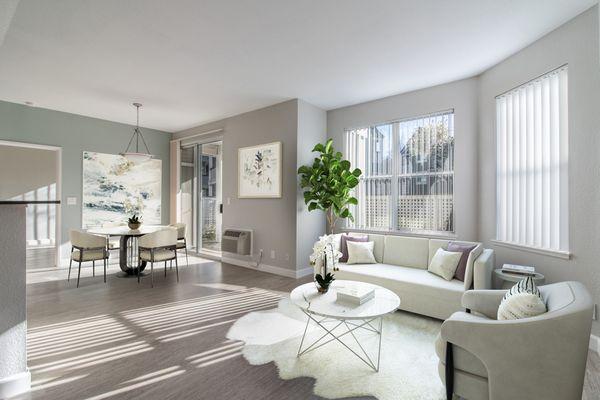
point(259, 171)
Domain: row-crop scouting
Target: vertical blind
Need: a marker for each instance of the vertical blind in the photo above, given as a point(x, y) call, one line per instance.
point(532, 163)
point(408, 174)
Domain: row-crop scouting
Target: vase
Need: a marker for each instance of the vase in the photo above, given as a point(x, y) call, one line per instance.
point(322, 290)
point(134, 226)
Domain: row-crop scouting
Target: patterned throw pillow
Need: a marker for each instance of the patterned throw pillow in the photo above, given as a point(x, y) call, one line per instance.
point(523, 300)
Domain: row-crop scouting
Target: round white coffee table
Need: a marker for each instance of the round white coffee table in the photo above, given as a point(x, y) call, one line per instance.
point(323, 309)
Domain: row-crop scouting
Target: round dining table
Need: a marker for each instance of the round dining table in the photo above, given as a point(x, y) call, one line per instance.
point(128, 244)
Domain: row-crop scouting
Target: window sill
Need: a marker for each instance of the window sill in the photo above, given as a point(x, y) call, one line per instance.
point(565, 255)
point(447, 236)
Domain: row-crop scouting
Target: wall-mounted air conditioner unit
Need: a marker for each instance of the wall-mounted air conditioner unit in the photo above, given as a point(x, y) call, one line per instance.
point(237, 241)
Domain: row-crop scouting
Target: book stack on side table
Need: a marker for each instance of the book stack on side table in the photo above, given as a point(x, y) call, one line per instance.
point(354, 295)
point(518, 269)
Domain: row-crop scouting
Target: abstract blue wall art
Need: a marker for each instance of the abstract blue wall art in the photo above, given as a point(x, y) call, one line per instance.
point(115, 188)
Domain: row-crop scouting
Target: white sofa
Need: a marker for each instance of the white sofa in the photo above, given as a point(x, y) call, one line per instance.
point(402, 268)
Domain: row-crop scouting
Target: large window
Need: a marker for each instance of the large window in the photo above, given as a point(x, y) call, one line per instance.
point(532, 164)
point(408, 174)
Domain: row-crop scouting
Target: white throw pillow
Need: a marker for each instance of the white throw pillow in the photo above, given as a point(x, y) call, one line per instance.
point(361, 253)
point(523, 300)
point(444, 263)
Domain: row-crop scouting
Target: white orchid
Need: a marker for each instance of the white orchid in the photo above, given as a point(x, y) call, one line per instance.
point(325, 247)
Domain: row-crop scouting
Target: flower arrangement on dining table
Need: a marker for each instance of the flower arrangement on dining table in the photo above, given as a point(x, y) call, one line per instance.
point(325, 258)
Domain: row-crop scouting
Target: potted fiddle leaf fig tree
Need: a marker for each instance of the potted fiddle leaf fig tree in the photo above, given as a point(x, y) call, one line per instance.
point(328, 183)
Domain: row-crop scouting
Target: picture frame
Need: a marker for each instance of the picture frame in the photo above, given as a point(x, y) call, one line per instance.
point(260, 171)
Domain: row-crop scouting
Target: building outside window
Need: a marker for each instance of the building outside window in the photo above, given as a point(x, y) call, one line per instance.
point(408, 174)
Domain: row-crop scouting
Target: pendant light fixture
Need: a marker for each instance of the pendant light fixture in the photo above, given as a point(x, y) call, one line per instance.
point(137, 156)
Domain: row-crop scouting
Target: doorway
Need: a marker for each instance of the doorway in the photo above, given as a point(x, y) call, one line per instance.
point(32, 173)
point(201, 196)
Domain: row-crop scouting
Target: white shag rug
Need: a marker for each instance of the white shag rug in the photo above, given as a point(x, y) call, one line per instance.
point(408, 367)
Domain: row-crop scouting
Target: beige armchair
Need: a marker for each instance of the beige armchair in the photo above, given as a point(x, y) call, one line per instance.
point(87, 247)
point(543, 357)
point(158, 247)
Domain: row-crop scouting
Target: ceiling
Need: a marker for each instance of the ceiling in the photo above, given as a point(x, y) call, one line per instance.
point(192, 61)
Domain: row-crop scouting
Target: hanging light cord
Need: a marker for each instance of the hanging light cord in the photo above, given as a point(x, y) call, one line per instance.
point(137, 133)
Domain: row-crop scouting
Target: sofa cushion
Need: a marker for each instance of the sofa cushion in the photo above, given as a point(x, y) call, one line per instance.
point(406, 251)
point(410, 279)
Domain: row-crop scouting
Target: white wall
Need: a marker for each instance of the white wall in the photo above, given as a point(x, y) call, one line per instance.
point(24, 170)
point(14, 376)
point(575, 43)
point(462, 97)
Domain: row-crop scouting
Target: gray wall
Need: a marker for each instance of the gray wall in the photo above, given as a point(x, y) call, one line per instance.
point(462, 97)
point(273, 220)
point(312, 129)
point(75, 133)
point(575, 43)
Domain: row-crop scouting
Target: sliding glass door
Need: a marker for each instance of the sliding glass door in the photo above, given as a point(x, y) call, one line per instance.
point(201, 200)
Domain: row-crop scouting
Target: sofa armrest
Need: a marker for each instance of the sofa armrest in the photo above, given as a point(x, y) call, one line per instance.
point(485, 302)
point(482, 270)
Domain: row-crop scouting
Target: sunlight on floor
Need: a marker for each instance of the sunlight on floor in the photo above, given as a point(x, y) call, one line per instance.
point(187, 313)
point(144, 380)
point(79, 350)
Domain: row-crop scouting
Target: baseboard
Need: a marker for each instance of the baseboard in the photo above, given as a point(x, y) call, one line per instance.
point(304, 272)
point(272, 269)
point(595, 343)
point(15, 384)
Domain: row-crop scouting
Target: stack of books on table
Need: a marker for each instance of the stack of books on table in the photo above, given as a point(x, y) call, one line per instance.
point(518, 269)
point(354, 295)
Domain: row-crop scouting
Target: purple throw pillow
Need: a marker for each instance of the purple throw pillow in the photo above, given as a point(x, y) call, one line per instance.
point(344, 244)
point(465, 249)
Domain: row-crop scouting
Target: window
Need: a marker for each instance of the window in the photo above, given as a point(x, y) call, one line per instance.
point(408, 174)
point(532, 164)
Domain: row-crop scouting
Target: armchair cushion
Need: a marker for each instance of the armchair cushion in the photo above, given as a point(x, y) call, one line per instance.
point(523, 300)
point(89, 255)
point(159, 255)
point(485, 302)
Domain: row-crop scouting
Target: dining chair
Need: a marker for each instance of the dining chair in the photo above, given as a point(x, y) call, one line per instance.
point(181, 241)
point(156, 247)
point(87, 247)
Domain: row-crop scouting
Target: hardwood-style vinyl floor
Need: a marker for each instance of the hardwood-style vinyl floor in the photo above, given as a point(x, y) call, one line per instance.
point(121, 340)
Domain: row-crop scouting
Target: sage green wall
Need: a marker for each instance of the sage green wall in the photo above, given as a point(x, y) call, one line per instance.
point(76, 133)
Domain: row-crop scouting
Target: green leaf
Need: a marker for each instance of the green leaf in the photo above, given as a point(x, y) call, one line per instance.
point(352, 200)
point(318, 148)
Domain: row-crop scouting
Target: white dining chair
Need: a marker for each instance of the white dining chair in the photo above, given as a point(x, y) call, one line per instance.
point(87, 247)
point(181, 241)
point(160, 246)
